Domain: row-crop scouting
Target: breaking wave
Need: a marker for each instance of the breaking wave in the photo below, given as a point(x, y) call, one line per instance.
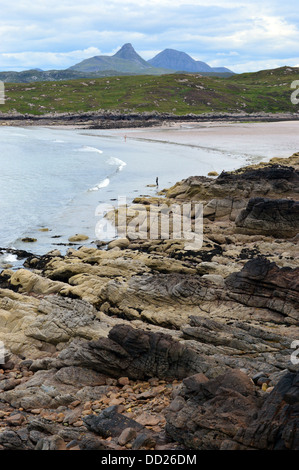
point(113, 162)
point(116, 161)
point(102, 184)
point(86, 148)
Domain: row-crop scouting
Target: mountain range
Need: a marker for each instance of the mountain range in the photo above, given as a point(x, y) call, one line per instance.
point(125, 62)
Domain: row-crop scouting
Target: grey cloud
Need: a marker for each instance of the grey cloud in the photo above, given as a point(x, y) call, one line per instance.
point(255, 31)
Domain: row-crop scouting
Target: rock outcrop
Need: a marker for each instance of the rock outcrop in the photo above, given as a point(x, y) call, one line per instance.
point(264, 180)
point(276, 426)
point(142, 344)
point(263, 284)
point(227, 413)
point(274, 217)
point(134, 353)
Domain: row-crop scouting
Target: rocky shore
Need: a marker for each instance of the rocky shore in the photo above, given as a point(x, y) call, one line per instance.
point(118, 120)
point(142, 344)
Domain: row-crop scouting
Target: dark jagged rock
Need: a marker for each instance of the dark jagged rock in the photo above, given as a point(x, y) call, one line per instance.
point(233, 187)
point(20, 254)
point(136, 354)
point(273, 173)
point(93, 443)
point(204, 417)
point(143, 441)
point(263, 284)
point(274, 217)
point(110, 423)
point(226, 413)
point(39, 262)
point(15, 440)
point(277, 424)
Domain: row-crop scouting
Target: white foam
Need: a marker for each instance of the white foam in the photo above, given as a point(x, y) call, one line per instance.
point(86, 148)
point(102, 184)
point(116, 161)
point(113, 162)
point(57, 141)
point(8, 258)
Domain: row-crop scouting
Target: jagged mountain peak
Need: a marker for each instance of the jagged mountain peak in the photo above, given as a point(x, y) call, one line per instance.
point(128, 52)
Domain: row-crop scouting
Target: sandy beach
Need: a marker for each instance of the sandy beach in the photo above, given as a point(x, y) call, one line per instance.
point(211, 135)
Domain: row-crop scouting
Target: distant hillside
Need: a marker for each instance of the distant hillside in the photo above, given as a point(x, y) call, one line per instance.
point(126, 60)
point(31, 76)
point(180, 61)
point(267, 91)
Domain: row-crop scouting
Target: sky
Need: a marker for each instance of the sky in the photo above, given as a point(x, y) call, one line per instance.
point(243, 35)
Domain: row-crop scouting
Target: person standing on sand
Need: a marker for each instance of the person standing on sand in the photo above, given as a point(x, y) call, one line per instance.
point(125, 137)
point(157, 181)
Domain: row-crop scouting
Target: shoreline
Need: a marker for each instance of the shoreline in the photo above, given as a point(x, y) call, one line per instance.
point(215, 135)
point(207, 136)
point(115, 120)
point(189, 131)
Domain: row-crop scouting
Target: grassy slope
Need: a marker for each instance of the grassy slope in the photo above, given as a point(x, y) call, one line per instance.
point(34, 76)
point(267, 91)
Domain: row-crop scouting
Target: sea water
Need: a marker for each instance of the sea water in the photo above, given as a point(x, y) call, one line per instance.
point(52, 180)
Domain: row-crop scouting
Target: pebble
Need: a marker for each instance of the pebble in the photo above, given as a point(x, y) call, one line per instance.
point(75, 403)
point(36, 411)
point(147, 419)
point(78, 423)
point(126, 436)
point(263, 380)
point(15, 420)
point(257, 376)
point(124, 381)
point(117, 401)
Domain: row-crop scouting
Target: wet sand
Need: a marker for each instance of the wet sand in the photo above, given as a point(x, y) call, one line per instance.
point(268, 139)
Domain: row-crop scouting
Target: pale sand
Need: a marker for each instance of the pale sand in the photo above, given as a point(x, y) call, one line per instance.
point(268, 139)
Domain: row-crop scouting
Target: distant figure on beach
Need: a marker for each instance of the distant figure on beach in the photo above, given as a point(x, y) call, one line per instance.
point(125, 137)
point(157, 181)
